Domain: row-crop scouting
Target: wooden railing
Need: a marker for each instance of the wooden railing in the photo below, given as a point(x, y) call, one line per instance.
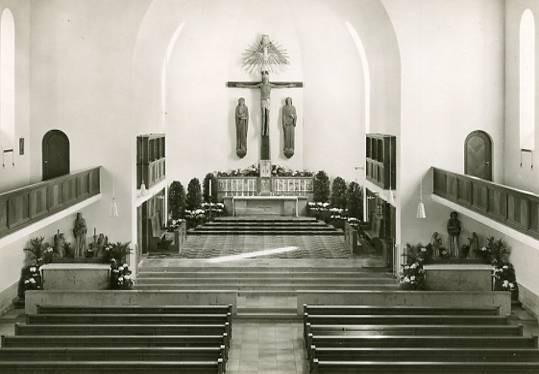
point(29, 204)
point(510, 206)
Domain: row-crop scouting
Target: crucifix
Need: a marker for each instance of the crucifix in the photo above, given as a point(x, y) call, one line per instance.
point(265, 87)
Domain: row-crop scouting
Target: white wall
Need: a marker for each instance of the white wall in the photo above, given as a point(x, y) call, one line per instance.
point(324, 56)
point(81, 84)
point(521, 177)
point(452, 84)
point(14, 176)
point(525, 258)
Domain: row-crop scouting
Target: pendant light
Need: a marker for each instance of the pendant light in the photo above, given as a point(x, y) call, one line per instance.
point(390, 199)
point(421, 214)
point(114, 211)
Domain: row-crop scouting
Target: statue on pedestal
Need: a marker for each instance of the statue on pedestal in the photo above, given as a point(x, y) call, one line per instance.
point(454, 229)
point(79, 231)
point(242, 125)
point(289, 126)
point(59, 244)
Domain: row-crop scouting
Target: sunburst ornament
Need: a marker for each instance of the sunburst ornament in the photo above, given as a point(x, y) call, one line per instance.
point(265, 55)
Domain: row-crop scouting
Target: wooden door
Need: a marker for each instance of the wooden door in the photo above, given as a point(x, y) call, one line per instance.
point(478, 155)
point(55, 158)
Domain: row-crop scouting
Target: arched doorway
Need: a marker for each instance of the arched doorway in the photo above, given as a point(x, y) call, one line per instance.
point(55, 157)
point(478, 155)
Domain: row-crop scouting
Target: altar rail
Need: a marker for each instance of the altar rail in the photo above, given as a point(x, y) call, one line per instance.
point(280, 186)
point(510, 206)
point(26, 205)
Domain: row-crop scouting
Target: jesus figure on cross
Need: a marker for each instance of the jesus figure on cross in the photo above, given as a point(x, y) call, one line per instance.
point(265, 87)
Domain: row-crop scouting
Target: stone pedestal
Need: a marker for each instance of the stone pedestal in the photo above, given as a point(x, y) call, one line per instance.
point(458, 277)
point(75, 276)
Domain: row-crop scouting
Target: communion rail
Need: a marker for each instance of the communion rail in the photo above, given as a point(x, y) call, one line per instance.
point(29, 204)
point(507, 205)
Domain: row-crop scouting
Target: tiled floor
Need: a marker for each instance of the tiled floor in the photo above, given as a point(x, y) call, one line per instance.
point(308, 246)
point(267, 348)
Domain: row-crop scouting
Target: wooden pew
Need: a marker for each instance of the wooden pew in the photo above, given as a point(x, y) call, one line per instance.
point(122, 329)
point(113, 341)
point(112, 367)
point(383, 367)
point(402, 310)
point(404, 319)
point(421, 354)
point(421, 330)
point(113, 354)
point(135, 309)
point(425, 341)
point(131, 319)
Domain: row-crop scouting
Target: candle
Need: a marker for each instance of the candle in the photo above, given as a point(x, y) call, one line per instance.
point(210, 188)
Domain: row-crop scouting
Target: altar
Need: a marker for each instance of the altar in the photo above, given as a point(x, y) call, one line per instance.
point(291, 206)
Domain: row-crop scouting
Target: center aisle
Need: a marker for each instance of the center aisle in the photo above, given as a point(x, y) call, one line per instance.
point(267, 348)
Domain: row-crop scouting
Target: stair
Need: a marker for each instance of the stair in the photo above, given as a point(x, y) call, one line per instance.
point(264, 280)
point(265, 226)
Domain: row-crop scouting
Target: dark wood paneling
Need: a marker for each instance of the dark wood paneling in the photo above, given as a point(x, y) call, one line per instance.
point(381, 160)
point(38, 202)
point(150, 159)
point(515, 208)
point(23, 206)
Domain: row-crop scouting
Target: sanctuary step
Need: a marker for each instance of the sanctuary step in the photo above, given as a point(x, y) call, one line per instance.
point(265, 226)
point(263, 279)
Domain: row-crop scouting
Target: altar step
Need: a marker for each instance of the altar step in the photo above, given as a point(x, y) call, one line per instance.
point(262, 280)
point(265, 226)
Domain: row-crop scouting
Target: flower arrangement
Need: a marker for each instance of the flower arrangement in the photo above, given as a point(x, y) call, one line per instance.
point(254, 171)
point(505, 278)
point(495, 252)
point(216, 209)
point(251, 171)
point(116, 251)
point(195, 217)
point(173, 224)
point(31, 278)
point(319, 210)
point(412, 276)
point(39, 251)
point(283, 171)
point(120, 276)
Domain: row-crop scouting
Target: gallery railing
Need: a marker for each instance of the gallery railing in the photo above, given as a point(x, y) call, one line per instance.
point(507, 205)
point(29, 204)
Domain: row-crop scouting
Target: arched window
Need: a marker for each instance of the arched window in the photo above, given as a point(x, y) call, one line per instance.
point(527, 81)
point(7, 78)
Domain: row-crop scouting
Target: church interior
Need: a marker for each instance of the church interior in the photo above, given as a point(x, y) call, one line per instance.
point(292, 187)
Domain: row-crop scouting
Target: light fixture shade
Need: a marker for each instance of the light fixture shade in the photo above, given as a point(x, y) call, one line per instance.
point(391, 198)
point(142, 188)
point(114, 211)
point(421, 214)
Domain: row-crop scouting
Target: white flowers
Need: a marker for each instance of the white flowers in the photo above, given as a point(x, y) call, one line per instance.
point(33, 269)
point(423, 249)
point(483, 249)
